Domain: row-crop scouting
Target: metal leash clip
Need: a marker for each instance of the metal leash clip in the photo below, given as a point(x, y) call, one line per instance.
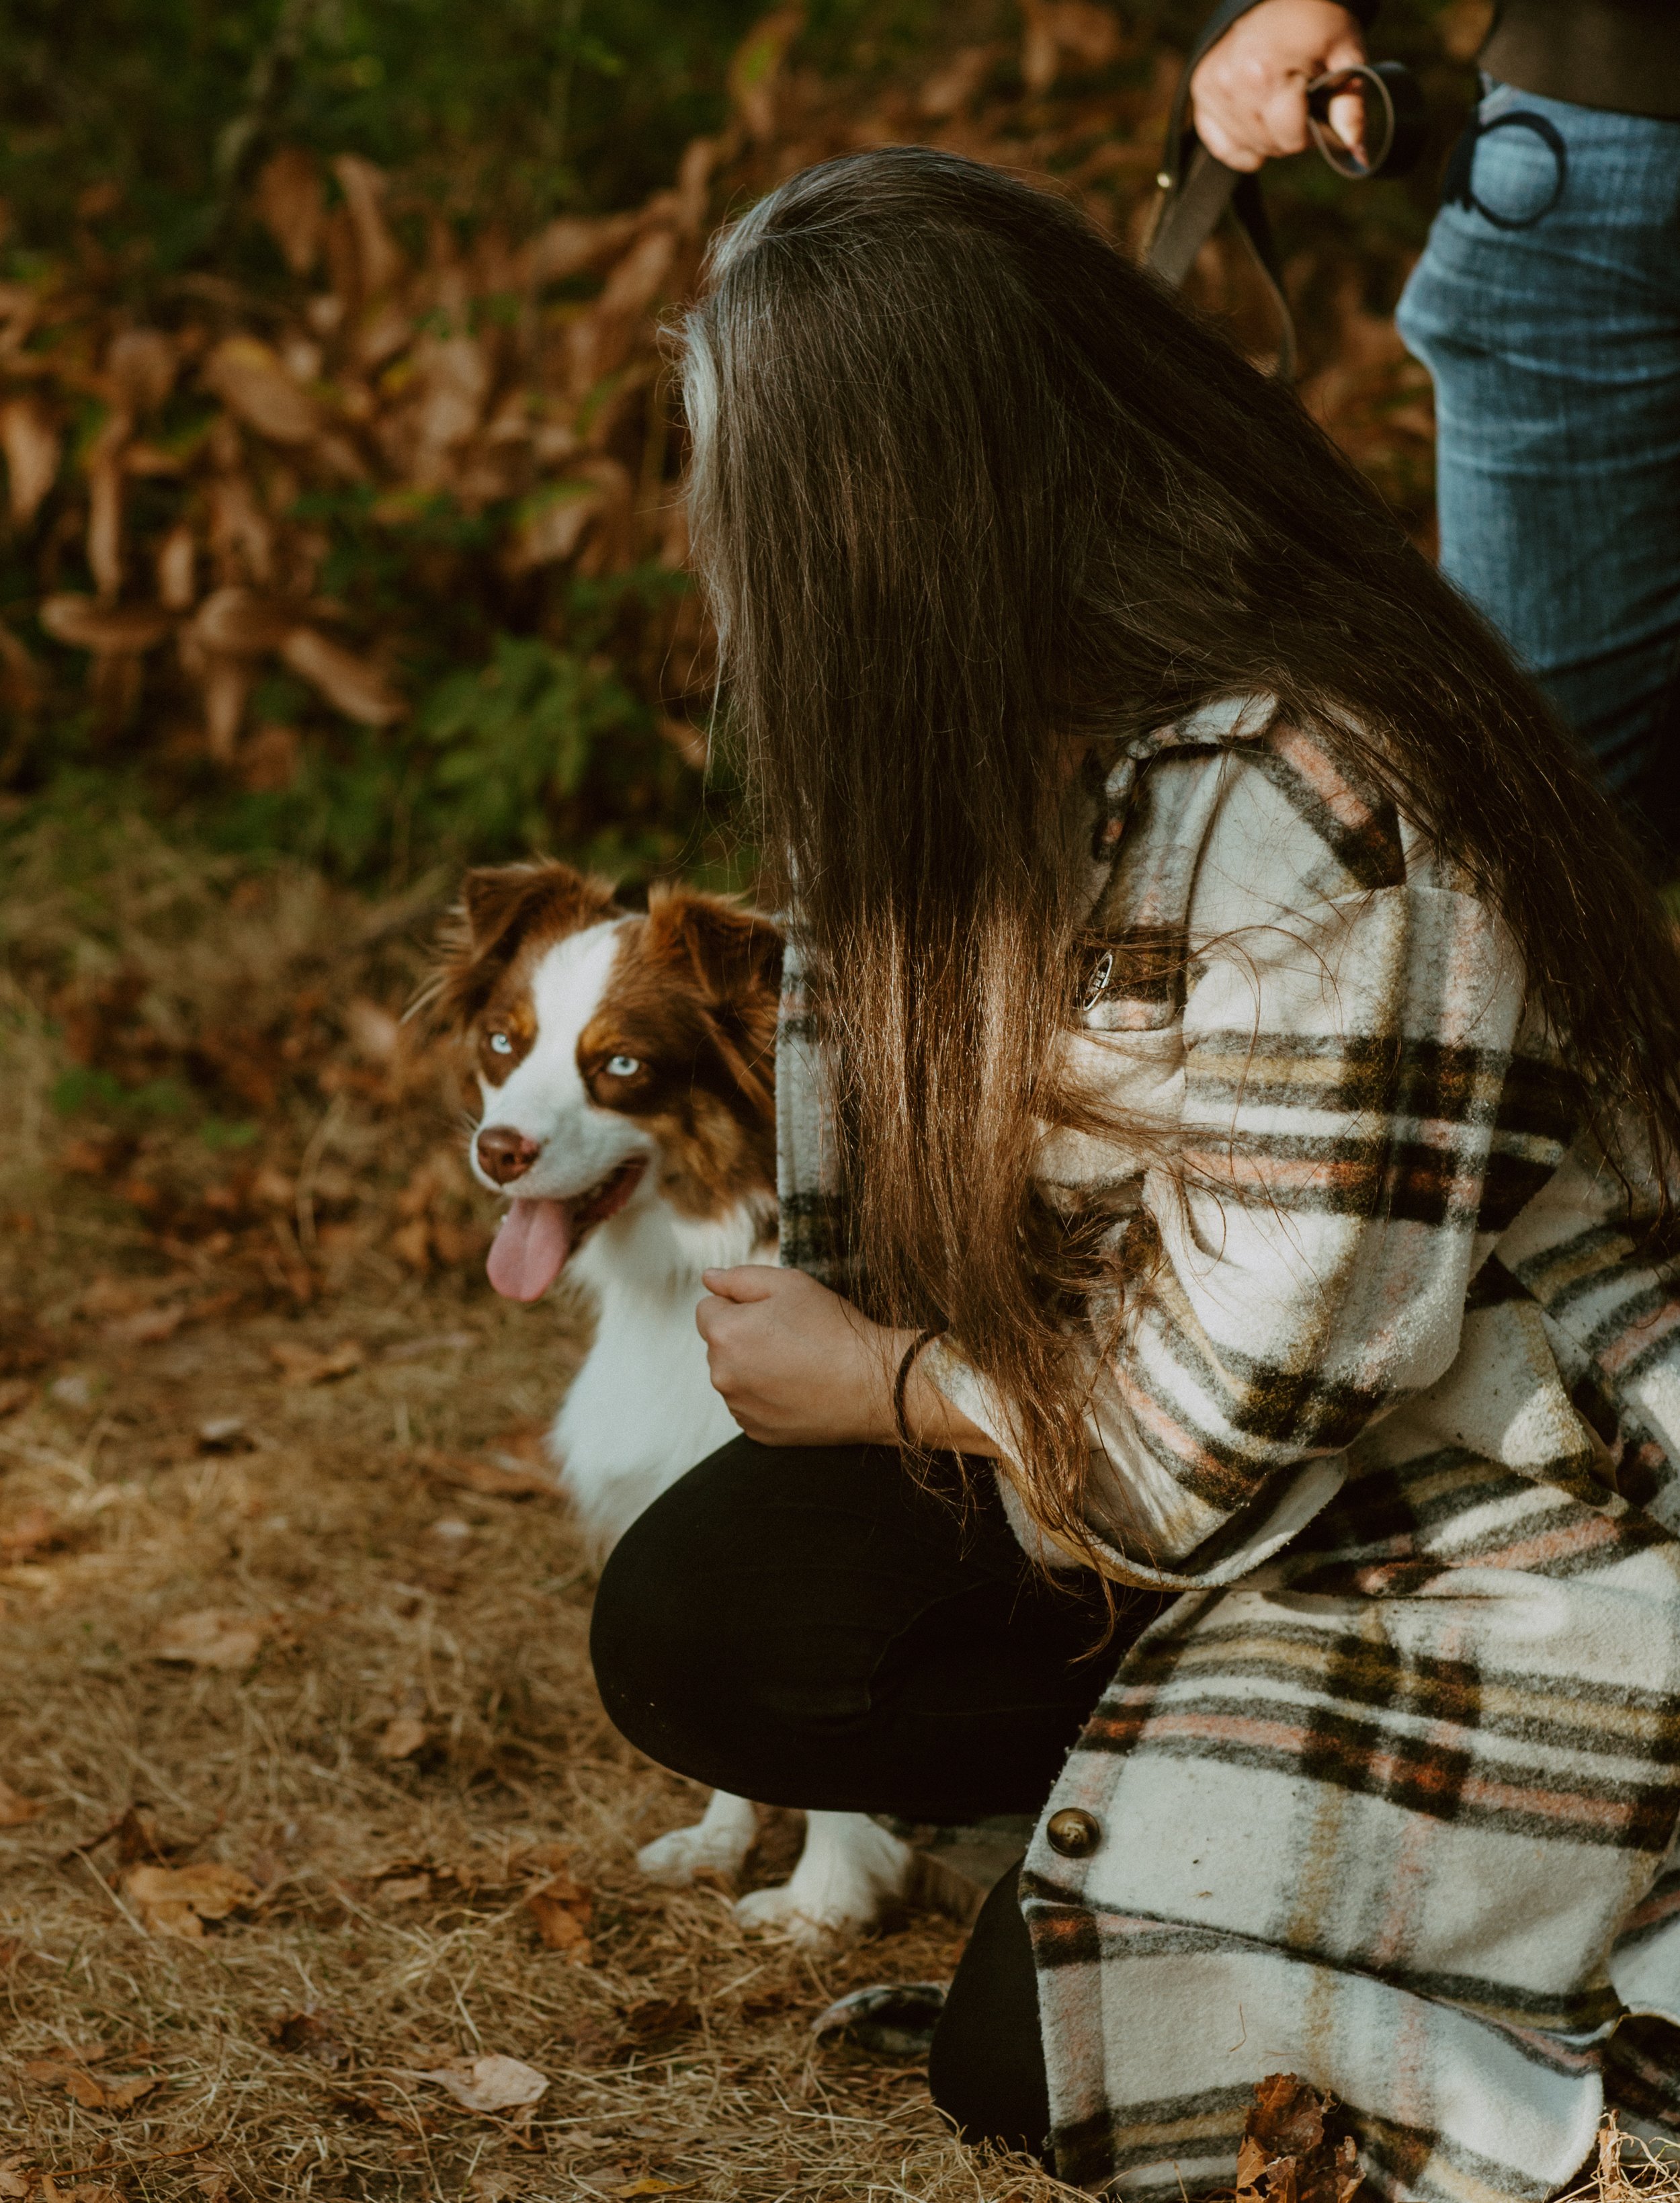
point(1363, 122)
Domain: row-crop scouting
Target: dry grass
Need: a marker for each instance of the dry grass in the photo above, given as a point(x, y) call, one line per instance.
point(1628, 2170)
point(145, 1302)
point(408, 1743)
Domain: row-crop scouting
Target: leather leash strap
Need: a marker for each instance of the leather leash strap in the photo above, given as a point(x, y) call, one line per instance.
point(1196, 189)
point(1189, 211)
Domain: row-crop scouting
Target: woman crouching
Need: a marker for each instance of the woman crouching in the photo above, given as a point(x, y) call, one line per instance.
point(1223, 1394)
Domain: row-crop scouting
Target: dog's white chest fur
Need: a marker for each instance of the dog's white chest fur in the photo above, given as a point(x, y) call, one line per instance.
point(641, 1411)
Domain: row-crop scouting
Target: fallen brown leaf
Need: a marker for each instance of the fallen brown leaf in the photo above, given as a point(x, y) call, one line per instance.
point(539, 1858)
point(660, 2019)
point(90, 2089)
point(290, 201)
point(562, 1908)
point(560, 1928)
point(89, 623)
point(489, 2084)
point(15, 1809)
point(307, 2034)
point(146, 1326)
point(363, 185)
point(351, 684)
point(138, 1837)
point(34, 1531)
point(401, 1737)
point(489, 1476)
point(177, 1900)
point(175, 562)
point(406, 1889)
point(496, 2187)
point(1288, 2117)
point(243, 623)
point(31, 443)
point(15, 1393)
point(1287, 2155)
point(142, 365)
point(252, 380)
point(307, 1365)
point(218, 1637)
point(123, 2096)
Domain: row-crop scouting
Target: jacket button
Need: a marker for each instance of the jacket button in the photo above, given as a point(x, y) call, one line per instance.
point(1073, 1832)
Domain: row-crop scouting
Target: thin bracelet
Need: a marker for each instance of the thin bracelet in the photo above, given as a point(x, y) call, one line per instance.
point(921, 1338)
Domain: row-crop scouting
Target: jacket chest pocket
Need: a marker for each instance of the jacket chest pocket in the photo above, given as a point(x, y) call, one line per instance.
point(1134, 985)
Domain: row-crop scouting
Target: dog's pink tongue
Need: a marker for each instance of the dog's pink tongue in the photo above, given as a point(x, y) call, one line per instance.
point(529, 1251)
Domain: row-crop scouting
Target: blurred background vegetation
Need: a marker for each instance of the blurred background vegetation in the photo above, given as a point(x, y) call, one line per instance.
point(338, 444)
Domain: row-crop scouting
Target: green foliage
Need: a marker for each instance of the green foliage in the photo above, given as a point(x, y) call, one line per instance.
point(128, 115)
point(512, 739)
point(226, 1136)
point(530, 744)
point(81, 1087)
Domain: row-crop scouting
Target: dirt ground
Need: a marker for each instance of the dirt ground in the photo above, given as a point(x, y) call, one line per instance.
point(316, 1852)
point(307, 1792)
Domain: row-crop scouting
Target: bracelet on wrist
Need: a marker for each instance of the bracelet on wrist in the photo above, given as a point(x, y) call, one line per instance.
point(923, 1338)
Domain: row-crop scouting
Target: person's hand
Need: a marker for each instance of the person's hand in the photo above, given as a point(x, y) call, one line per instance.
point(1248, 94)
point(797, 1365)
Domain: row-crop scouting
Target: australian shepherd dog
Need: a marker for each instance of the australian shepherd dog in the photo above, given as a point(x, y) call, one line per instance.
point(626, 1063)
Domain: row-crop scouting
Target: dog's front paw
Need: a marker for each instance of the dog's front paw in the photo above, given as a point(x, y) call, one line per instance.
point(849, 1869)
point(718, 1843)
point(810, 1923)
point(675, 1859)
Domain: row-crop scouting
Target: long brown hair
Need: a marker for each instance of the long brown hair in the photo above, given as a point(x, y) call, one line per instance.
point(966, 485)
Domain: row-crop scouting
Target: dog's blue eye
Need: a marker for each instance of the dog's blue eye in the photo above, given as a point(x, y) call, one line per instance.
point(624, 1066)
point(500, 1044)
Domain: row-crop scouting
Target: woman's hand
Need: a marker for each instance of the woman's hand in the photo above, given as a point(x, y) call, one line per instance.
point(797, 1365)
point(1248, 95)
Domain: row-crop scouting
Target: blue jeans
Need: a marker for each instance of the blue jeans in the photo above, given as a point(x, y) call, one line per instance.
point(1546, 308)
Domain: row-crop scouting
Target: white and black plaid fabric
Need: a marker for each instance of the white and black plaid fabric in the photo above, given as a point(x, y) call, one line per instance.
point(1388, 1798)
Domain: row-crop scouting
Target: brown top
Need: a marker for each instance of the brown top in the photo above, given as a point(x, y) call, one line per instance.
point(1618, 54)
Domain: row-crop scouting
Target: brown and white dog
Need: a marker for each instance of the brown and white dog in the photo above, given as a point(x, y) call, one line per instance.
point(626, 1063)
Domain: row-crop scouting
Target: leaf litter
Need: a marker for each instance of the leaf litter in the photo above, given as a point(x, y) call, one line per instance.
point(492, 2084)
point(263, 1365)
point(16, 1810)
point(178, 1900)
point(320, 1919)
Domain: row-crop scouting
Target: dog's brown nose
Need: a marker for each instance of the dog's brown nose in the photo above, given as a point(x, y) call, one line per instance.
point(506, 1155)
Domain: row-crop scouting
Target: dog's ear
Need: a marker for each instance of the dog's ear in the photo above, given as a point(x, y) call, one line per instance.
point(495, 897)
point(735, 954)
point(501, 906)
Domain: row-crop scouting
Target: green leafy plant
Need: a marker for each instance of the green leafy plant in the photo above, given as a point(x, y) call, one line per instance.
point(512, 739)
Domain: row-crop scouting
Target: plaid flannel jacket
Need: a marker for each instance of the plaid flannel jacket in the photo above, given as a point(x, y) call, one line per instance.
point(1388, 1798)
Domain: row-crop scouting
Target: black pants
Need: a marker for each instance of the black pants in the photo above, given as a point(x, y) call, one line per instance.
point(810, 1626)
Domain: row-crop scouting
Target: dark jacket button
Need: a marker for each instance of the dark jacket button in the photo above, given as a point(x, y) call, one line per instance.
point(1073, 1832)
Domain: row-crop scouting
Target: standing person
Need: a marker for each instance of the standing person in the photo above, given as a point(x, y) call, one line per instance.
point(1227, 1092)
point(1546, 308)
